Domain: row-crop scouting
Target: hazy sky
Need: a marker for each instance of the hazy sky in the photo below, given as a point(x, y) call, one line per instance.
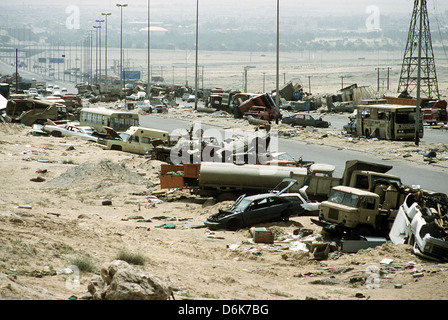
point(296, 7)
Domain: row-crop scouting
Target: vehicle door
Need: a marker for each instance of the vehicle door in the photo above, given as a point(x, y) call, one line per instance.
point(299, 120)
point(132, 144)
point(369, 210)
point(309, 121)
point(256, 212)
point(145, 145)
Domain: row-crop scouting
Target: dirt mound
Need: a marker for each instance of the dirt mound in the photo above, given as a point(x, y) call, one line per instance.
point(105, 171)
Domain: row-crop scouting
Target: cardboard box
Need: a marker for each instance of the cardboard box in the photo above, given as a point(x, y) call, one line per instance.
point(262, 235)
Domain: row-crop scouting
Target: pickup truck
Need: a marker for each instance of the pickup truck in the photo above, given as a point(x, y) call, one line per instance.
point(136, 140)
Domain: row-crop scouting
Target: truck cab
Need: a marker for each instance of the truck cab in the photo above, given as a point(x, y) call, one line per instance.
point(349, 209)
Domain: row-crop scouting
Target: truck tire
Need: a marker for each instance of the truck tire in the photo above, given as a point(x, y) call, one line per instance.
point(285, 215)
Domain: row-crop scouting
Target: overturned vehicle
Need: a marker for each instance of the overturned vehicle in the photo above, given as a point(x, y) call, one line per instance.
point(422, 221)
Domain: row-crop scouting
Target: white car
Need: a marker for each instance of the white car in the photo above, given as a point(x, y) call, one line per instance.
point(67, 130)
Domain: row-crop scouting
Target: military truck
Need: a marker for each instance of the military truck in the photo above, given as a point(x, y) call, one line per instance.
point(136, 140)
point(366, 203)
point(351, 212)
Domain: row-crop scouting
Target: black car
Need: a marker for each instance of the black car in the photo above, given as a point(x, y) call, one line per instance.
point(252, 210)
point(306, 120)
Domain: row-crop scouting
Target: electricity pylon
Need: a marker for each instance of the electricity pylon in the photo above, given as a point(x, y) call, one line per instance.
point(408, 76)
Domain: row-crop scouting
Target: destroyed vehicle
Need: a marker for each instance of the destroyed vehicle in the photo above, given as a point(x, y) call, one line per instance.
point(306, 120)
point(67, 130)
point(191, 98)
point(421, 222)
point(350, 127)
point(352, 213)
point(136, 140)
point(31, 111)
point(286, 160)
point(253, 210)
point(301, 200)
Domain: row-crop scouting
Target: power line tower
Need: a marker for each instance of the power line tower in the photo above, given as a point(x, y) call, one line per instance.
point(409, 70)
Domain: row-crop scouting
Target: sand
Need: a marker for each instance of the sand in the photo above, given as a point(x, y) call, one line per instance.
point(54, 209)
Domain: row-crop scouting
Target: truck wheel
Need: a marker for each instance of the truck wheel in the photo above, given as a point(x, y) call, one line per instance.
point(285, 215)
point(233, 225)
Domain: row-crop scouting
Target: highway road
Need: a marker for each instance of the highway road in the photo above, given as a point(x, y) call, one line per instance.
point(427, 176)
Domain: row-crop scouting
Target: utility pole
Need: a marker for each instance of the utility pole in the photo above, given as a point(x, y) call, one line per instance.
point(309, 84)
point(196, 64)
point(17, 70)
point(277, 89)
point(121, 6)
point(342, 81)
point(105, 48)
point(419, 67)
point(148, 89)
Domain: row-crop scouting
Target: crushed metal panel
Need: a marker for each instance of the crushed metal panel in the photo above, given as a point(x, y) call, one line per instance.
point(352, 246)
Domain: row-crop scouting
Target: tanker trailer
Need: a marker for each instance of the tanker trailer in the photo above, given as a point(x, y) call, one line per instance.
point(226, 181)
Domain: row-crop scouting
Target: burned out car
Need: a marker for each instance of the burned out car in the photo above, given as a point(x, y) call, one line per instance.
point(251, 210)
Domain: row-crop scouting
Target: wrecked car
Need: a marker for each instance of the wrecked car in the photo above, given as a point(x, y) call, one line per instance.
point(67, 130)
point(421, 222)
point(252, 210)
point(306, 120)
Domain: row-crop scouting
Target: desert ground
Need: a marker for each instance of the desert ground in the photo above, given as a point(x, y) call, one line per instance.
point(54, 213)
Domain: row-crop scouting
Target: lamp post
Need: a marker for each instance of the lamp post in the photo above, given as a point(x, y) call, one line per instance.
point(196, 64)
point(121, 6)
point(99, 46)
point(105, 49)
point(148, 89)
point(96, 53)
point(277, 91)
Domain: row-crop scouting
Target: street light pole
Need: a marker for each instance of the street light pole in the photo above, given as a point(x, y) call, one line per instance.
point(148, 89)
point(417, 108)
point(96, 53)
point(277, 91)
point(99, 21)
point(121, 6)
point(196, 66)
point(105, 49)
